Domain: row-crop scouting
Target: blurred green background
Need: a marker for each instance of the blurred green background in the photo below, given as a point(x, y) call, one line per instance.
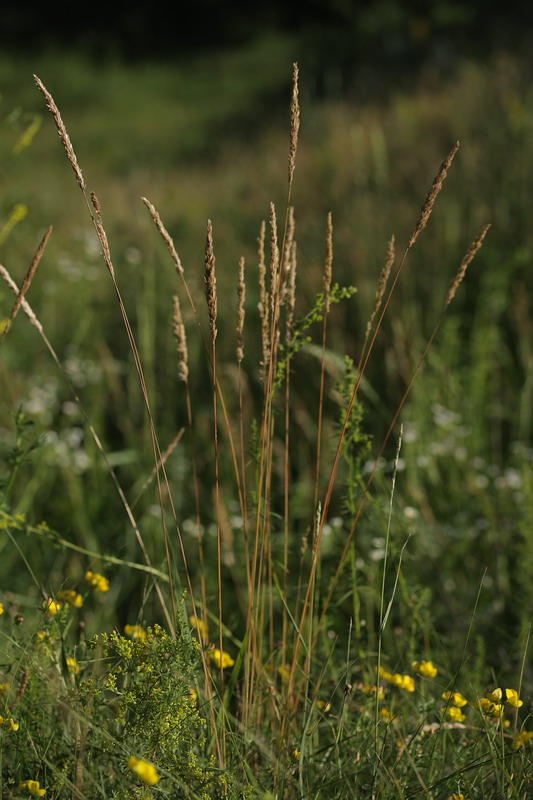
point(195, 117)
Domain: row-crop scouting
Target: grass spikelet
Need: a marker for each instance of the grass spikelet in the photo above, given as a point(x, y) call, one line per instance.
point(274, 258)
point(26, 282)
point(102, 236)
point(463, 266)
point(295, 124)
point(263, 298)
point(167, 238)
point(24, 303)
point(62, 131)
point(382, 284)
point(181, 340)
point(211, 282)
point(291, 294)
point(241, 297)
point(328, 267)
point(432, 195)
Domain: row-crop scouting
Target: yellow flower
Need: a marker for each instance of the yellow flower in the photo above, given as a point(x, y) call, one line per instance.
point(199, 624)
point(388, 716)
point(144, 770)
point(509, 696)
point(323, 706)
point(97, 581)
point(488, 707)
point(51, 608)
point(457, 797)
point(456, 698)
point(455, 714)
point(402, 681)
point(425, 668)
point(4, 688)
point(522, 739)
point(2, 609)
point(193, 694)
point(33, 788)
point(136, 632)
point(10, 723)
point(221, 659)
point(71, 597)
point(367, 689)
point(72, 665)
point(284, 673)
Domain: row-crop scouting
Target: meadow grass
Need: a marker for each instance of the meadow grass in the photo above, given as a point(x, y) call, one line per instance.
point(336, 622)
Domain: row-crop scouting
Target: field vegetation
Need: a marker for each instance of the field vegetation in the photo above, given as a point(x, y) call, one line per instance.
point(277, 544)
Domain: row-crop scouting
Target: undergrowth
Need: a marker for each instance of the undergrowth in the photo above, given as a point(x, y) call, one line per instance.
point(282, 639)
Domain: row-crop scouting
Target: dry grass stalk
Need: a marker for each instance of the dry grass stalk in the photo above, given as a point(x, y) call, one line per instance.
point(167, 238)
point(26, 283)
point(274, 258)
point(463, 266)
point(287, 249)
point(295, 124)
point(263, 298)
point(382, 283)
point(328, 267)
point(241, 297)
point(102, 236)
point(429, 202)
point(291, 295)
point(211, 282)
point(24, 303)
point(62, 131)
point(181, 340)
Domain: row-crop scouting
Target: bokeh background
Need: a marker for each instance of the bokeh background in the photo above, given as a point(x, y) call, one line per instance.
point(192, 112)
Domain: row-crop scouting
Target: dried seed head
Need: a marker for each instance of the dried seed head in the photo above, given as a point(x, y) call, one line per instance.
point(291, 295)
point(274, 258)
point(181, 339)
point(263, 298)
point(167, 238)
point(382, 284)
point(295, 124)
point(211, 282)
point(62, 131)
point(328, 267)
point(25, 305)
point(26, 283)
point(241, 297)
point(429, 202)
point(469, 255)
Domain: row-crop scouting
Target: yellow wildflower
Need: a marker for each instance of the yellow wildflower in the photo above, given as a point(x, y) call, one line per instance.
point(388, 716)
point(193, 694)
point(221, 658)
point(2, 609)
point(284, 673)
point(296, 754)
point(368, 689)
point(10, 723)
point(4, 688)
point(456, 698)
point(509, 696)
point(199, 624)
point(455, 714)
point(136, 632)
point(522, 739)
point(488, 707)
point(97, 581)
point(402, 681)
point(51, 608)
point(72, 665)
point(457, 797)
point(144, 770)
point(71, 597)
point(33, 787)
point(323, 706)
point(425, 668)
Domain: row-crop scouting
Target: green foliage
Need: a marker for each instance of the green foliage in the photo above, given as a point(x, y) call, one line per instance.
point(355, 443)
point(298, 337)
